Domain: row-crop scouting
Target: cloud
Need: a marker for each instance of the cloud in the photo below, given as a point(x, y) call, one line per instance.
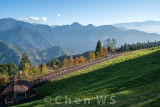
point(34, 18)
point(23, 19)
point(44, 19)
point(58, 15)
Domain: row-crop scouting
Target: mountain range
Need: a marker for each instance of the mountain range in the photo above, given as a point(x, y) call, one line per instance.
point(43, 42)
point(13, 53)
point(149, 26)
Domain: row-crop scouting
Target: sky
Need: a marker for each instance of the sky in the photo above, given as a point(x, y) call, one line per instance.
point(96, 12)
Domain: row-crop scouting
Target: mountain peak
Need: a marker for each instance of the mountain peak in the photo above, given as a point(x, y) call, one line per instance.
point(6, 19)
point(90, 25)
point(76, 24)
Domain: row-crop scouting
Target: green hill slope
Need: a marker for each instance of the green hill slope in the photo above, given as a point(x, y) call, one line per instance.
point(133, 78)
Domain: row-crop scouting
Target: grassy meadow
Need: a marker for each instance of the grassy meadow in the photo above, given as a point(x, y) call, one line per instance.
point(132, 80)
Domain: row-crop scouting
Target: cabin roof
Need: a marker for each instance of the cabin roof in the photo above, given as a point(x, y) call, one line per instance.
point(15, 86)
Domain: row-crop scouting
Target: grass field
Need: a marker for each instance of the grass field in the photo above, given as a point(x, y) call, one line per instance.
point(132, 80)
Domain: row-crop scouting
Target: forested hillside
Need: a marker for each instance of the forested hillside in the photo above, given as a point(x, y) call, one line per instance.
point(13, 53)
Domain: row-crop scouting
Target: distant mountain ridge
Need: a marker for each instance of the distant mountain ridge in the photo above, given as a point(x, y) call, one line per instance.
point(24, 36)
point(75, 36)
point(149, 26)
point(84, 38)
point(12, 53)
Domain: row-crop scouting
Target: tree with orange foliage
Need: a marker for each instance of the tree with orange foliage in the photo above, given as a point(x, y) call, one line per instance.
point(81, 59)
point(105, 51)
point(101, 53)
point(85, 60)
point(76, 61)
point(93, 56)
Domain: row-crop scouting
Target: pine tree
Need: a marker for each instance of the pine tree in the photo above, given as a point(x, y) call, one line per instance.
point(52, 63)
point(13, 70)
point(98, 48)
point(97, 55)
point(125, 47)
point(24, 60)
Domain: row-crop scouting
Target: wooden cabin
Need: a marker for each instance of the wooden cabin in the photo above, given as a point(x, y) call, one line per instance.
point(17, 91)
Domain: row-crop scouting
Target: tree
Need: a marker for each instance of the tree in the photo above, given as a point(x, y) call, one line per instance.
point(105, 50)
point(85, 59)
point(107, 42)
point(3, 80)
point(101, 53)
point(90, 56)
point(113, 43)
point(110, 43)
point(43, 68)
point(57, 64)
point(125, 47)
point(64, 62)
point(71, 61)
point(76, 61)
point(98, 48)
point(12, 70)
point(25, 60)
point(93, 56)
point(36, 70)
point(27, 72)
point(52, 63)
point(97, 55)
point(81, 59)
point(4, 69)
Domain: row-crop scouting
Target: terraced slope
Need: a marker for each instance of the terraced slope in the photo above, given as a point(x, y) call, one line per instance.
point(132, 80)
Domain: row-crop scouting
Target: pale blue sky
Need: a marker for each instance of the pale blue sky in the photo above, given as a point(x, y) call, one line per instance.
point(97, 12)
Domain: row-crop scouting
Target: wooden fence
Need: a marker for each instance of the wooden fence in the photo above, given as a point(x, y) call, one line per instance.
point(53, 75)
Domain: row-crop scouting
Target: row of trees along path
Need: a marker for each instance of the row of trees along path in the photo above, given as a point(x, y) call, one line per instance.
point(53, 75)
